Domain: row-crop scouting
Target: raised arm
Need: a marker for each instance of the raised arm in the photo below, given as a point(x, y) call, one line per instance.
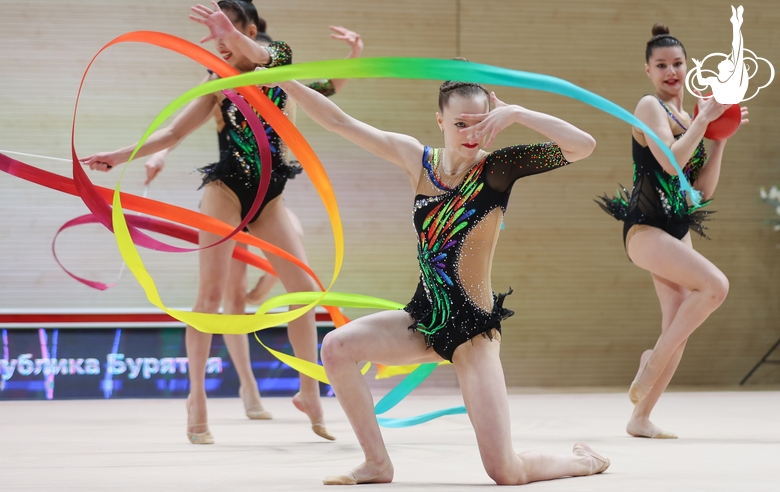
point(220, 27)
point(329, 87)
point(653, 115)
point(355, 49)
point(402, 150)
point(574, 143)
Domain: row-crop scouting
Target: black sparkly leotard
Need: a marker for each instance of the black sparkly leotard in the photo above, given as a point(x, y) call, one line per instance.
point(656, 199)
point(457, 229)
point(239, 161)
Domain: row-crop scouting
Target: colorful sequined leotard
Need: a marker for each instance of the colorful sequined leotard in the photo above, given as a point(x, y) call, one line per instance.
point(239, 161)
point(457, 230)
point(656, 199)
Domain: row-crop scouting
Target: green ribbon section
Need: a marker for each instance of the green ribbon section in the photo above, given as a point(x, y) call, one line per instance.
point(401, 391)
point(429, 69)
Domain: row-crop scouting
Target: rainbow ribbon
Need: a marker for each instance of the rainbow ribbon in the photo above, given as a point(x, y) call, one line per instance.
point(429, 69)
point(410, 68)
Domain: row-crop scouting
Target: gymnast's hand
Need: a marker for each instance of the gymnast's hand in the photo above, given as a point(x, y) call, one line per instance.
point(489, 125)
point(710, 109)
point(104, 161)
point(350, 37)
point(218, 23)
point(154, 166)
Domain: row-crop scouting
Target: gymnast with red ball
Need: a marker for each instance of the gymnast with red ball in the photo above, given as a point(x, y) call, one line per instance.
point(657, 217)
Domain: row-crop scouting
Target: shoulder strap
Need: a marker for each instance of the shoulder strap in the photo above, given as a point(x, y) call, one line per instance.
point(426, 154)
point(671, 115)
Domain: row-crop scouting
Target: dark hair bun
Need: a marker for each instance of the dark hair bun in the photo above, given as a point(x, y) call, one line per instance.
point(659, 29)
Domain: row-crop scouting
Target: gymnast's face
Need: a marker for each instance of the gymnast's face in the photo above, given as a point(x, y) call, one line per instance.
point(667, 69)
point(451, 123)
point(236, 60)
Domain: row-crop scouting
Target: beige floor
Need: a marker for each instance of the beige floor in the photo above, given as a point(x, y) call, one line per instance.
point(729, 441)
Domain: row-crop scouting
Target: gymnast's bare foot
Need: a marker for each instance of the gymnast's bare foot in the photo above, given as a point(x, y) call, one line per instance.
point(365, 473)
point(314, 412)
point(642, 427)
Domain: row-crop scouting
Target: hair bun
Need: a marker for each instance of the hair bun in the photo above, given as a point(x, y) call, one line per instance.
point(660, 29)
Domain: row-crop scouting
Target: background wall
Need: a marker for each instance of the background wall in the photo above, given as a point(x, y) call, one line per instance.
point(584, 312)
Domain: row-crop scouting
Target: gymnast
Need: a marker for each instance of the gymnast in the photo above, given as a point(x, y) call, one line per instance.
point(236, 297)
point(461, 194)
point(230, 187)
point(657, 219)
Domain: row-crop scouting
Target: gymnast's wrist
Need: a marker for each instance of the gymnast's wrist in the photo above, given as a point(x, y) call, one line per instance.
point(294, 89)
point(520, 114)
point(719, 143)
point(233, 40)
point(122, 155)
point(232, 37)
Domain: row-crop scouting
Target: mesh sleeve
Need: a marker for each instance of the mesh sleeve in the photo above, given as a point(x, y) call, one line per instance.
point(507, 165)
point(280, 52)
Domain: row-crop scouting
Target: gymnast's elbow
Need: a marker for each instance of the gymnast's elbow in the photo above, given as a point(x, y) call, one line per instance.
point(339, 124)
point(583, 148)
point(172, 136)
point(588, 144)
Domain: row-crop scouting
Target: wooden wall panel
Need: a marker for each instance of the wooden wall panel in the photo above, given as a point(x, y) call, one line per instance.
point(584, 312)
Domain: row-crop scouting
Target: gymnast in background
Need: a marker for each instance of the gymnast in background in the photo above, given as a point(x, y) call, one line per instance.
point(657, 218)
point(230, 187)
point(236, 297)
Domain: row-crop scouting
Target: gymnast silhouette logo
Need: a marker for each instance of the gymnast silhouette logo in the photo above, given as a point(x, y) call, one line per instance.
point(730, 84)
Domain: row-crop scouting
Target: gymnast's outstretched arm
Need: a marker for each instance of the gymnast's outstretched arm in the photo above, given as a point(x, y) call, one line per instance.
point(402, 150)
point(190, 119)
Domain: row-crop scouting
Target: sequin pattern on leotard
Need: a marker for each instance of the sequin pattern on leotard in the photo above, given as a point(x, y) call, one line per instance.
point(457, 229)
point(656, 198)
point(239, 160)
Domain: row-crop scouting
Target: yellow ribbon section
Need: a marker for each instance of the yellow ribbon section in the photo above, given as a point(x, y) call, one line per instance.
point(384, 372)
point(240, 324)
point(314, 371)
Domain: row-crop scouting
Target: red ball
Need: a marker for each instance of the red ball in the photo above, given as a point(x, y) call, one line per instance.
point(725, 126)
